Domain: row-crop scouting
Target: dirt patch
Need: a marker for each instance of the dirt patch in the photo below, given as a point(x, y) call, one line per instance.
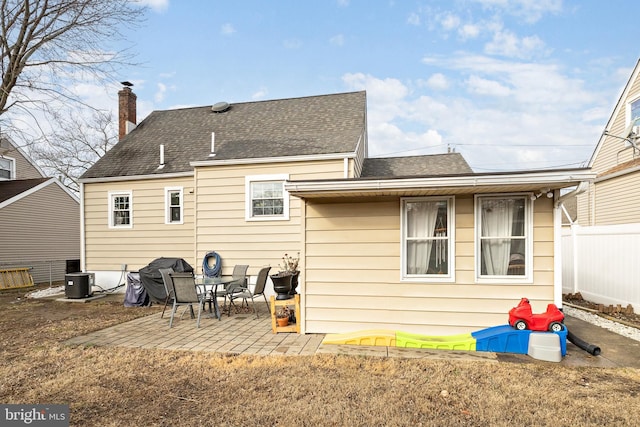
point(148, 387)
point(625, 315)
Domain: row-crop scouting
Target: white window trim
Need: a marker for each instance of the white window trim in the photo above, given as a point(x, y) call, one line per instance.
point(431, 278)
point(167, 205)
point(248, 180)
point(628, 112)
point(113, 194)
point(510, 280)
point(12, 168)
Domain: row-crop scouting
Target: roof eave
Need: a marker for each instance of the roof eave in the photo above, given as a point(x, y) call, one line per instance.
point(387, 186)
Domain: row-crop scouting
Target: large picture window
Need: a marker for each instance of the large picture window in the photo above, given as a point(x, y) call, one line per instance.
point(120, 210)
point(427, 238)
point(266, 198)
point(504, 237)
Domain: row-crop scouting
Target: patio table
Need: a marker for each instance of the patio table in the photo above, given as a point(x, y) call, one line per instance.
point(210, 284)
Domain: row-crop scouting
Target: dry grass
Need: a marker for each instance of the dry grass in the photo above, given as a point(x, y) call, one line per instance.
point(117, 387)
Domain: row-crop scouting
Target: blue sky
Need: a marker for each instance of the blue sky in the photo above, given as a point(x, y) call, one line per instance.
point(510, 84)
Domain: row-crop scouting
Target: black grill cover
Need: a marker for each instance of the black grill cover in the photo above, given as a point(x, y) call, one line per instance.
point(152, 279)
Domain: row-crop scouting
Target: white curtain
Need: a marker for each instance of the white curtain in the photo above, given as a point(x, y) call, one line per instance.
point(421, 223)
point(497, 223)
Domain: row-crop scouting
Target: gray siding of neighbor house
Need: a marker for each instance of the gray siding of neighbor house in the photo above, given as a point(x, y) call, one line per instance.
point(44, 244)
point(24, 168)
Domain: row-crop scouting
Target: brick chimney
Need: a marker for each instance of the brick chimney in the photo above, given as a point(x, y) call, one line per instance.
point(126, 110)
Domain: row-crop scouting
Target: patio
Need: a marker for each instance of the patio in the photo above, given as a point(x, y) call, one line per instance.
point(241, 333)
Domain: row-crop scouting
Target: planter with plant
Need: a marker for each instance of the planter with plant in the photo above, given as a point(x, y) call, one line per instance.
point(283, 313)
point(290, 266)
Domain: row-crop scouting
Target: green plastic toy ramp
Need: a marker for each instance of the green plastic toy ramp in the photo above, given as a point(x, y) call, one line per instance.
point(464, 342)
point(376, 337)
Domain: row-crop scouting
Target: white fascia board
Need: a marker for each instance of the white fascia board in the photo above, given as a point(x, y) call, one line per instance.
point(332, 156)
point(532, 178)
point(135, 177)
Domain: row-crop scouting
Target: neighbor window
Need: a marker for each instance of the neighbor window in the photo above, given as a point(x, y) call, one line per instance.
point(633, 111)
point(173, 205)
point(120, 210)
point(266, 198)
point(6, 168)
point(504, 234)
point(427, 227)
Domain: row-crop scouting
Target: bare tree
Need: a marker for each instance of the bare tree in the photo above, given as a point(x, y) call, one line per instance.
point(47, 45)
point(75, 145)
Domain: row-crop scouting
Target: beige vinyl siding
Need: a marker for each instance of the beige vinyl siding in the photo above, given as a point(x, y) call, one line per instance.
point(584, 207)
point(617, 200)
point(42, 231)
point(613, 150)
point(150, 238)
point(353, 262)
point(221, 224)
point(24, 168)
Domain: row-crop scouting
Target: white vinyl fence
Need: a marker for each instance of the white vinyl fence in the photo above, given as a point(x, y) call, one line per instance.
point(603, 263)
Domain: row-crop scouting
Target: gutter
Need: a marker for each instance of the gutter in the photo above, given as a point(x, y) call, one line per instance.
point(582, 187)
point(439, 182)
point(135, 177)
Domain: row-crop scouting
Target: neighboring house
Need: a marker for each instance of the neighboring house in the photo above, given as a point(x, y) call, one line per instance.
point(420, 244)
point(614, 196)
point(604, 243)
point(39, 218)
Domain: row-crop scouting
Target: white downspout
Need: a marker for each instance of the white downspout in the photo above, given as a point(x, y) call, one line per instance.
point(83, 258)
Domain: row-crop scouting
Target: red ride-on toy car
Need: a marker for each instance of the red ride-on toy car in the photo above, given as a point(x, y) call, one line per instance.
point(521, 318)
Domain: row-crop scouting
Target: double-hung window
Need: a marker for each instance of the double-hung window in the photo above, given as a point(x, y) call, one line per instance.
point(504, 243)
point(427, 238)
point(120, 209)
point(633, 113)
point(6, 168)
point(173, 201)
point(266, 198)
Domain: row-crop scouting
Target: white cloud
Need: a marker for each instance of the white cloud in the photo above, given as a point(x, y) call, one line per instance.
point(227, 29)
point(158, 6)
point(529, 11)
point(337, 40)
point(480, 86)
point(469, 31)
point(519, 115)
point(260, 94)
point(438, 81)
point(414, 19)
point(508, 44)
point(450, 22)
point(159, 95)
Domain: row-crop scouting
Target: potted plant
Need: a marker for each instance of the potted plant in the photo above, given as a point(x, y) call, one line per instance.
point(286, 280)
point(282, 315)
point(290, 266)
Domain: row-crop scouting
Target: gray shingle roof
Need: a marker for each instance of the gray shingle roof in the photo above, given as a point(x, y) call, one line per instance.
point(436, 164)
point(312, 125)
point(12, 188)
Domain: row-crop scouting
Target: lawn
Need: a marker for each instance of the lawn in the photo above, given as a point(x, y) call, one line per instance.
point(145, 387)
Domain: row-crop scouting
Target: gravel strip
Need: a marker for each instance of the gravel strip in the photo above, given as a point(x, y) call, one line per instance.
point(594, 319)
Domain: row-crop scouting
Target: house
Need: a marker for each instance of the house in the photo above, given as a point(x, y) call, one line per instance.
point(603, 244)
point(39, 218)
point(614, 196)
point(420, 244)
